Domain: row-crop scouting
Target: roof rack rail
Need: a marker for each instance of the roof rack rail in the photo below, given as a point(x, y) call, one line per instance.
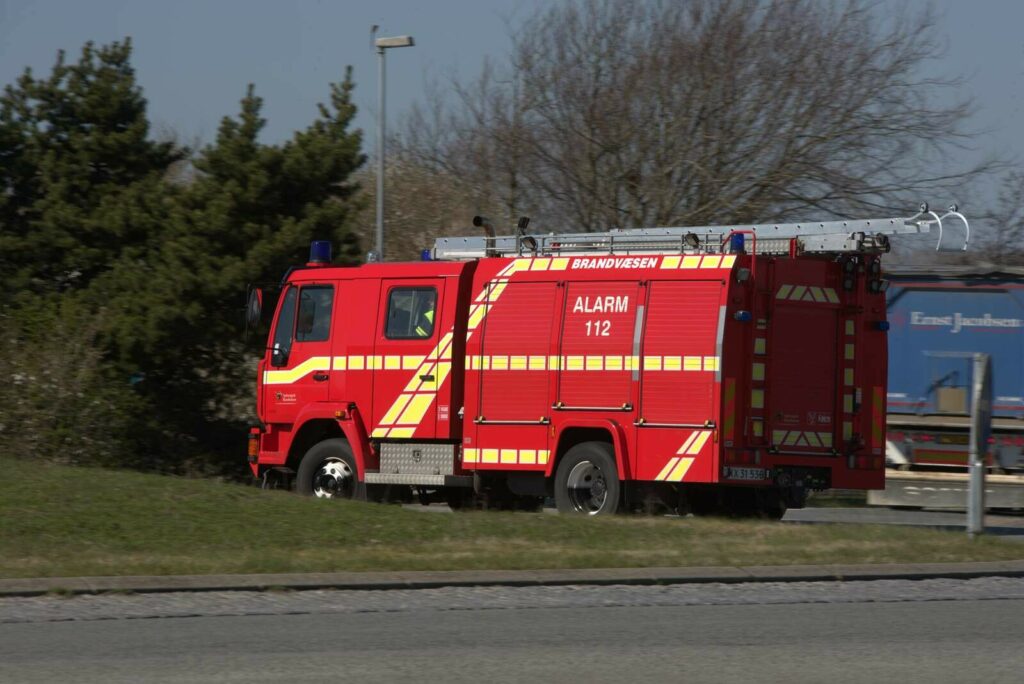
point(824, 237)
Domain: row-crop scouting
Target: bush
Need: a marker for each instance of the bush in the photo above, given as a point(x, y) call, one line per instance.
point(58, 401)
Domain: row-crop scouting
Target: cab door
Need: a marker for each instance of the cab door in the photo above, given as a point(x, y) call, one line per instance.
point(411, 361)
point(298, 363)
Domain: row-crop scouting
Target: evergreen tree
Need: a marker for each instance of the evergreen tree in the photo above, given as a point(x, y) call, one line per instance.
point(248, 213)
point(73, 147)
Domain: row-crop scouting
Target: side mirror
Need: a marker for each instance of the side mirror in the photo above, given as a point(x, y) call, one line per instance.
point(254, 309)
point(278, 356)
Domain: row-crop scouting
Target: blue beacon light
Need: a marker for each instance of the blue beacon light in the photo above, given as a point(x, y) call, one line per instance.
point(320, 252)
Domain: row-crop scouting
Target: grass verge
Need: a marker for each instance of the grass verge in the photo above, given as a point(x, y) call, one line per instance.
point(62, 521)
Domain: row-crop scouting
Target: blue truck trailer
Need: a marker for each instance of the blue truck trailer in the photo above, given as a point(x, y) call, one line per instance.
point(939, 318)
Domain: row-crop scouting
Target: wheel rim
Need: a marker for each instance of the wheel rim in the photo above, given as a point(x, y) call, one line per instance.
point(587, 488)
point(334, 480)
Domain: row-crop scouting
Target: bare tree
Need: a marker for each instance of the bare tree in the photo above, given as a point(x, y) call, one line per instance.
point(621, 113)
point(1004, 241)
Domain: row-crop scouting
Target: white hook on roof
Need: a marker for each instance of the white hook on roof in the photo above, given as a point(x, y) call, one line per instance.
point(921, 222)
point(955, 213)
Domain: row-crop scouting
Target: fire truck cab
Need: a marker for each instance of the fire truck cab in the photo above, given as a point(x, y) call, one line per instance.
point(696, 369)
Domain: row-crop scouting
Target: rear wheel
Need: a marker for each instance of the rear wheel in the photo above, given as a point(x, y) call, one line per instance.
point(587, 481)
point(328, 471)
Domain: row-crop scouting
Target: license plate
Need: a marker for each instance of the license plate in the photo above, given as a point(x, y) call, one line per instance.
point(746, 473)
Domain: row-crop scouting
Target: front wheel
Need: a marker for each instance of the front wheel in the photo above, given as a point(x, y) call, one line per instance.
point(328, 471)
point(587, 481)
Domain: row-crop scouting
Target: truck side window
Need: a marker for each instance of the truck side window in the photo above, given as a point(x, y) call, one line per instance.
point(411, 313)
point(314, 323)
point(282, 345)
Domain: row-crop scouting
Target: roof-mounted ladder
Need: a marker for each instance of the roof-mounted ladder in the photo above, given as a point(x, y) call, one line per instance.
point(828, 237)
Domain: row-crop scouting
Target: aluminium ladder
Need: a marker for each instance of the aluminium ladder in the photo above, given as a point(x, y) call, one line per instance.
point(828, 237)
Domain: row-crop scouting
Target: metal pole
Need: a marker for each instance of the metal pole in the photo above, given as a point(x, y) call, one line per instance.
point(380, 155)
point(981, 428)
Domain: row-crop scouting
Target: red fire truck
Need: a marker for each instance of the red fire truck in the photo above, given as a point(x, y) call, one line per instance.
point(702, 369)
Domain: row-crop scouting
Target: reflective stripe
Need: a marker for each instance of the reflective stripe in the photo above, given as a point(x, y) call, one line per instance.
point(796, 438)
point(668, 468)
point(675, 470)
point(757, 372)
point(807, 293)
point(286, 377)
point(757, 398)
point(396, 409)
point(506, 456)
point(594, 363)
point(679, 472)
point(699, 443)
point(877, 418)
point(729, 400)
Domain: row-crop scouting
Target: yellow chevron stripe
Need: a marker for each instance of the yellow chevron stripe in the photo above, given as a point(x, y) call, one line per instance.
point(668, 468)
point(688, 442)
point(396, 409)
point(679, 472)
point(416, 409)
point(699, 443)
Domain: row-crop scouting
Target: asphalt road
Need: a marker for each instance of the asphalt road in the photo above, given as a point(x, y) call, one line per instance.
point(929, 631)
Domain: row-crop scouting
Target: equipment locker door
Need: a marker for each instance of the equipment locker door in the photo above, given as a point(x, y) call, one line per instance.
point(804, 363)
point(680, 362)
point(513, 358)
point(298, 362)
point(411, 361)
point(598, 329)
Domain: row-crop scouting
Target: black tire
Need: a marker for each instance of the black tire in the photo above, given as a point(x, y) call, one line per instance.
point(328, 471)
point(587, 481)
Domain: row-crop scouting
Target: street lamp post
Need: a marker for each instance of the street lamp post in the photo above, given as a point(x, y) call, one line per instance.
point(383, 44)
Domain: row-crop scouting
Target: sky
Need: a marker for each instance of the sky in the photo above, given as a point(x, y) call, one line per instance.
point(194, 58)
